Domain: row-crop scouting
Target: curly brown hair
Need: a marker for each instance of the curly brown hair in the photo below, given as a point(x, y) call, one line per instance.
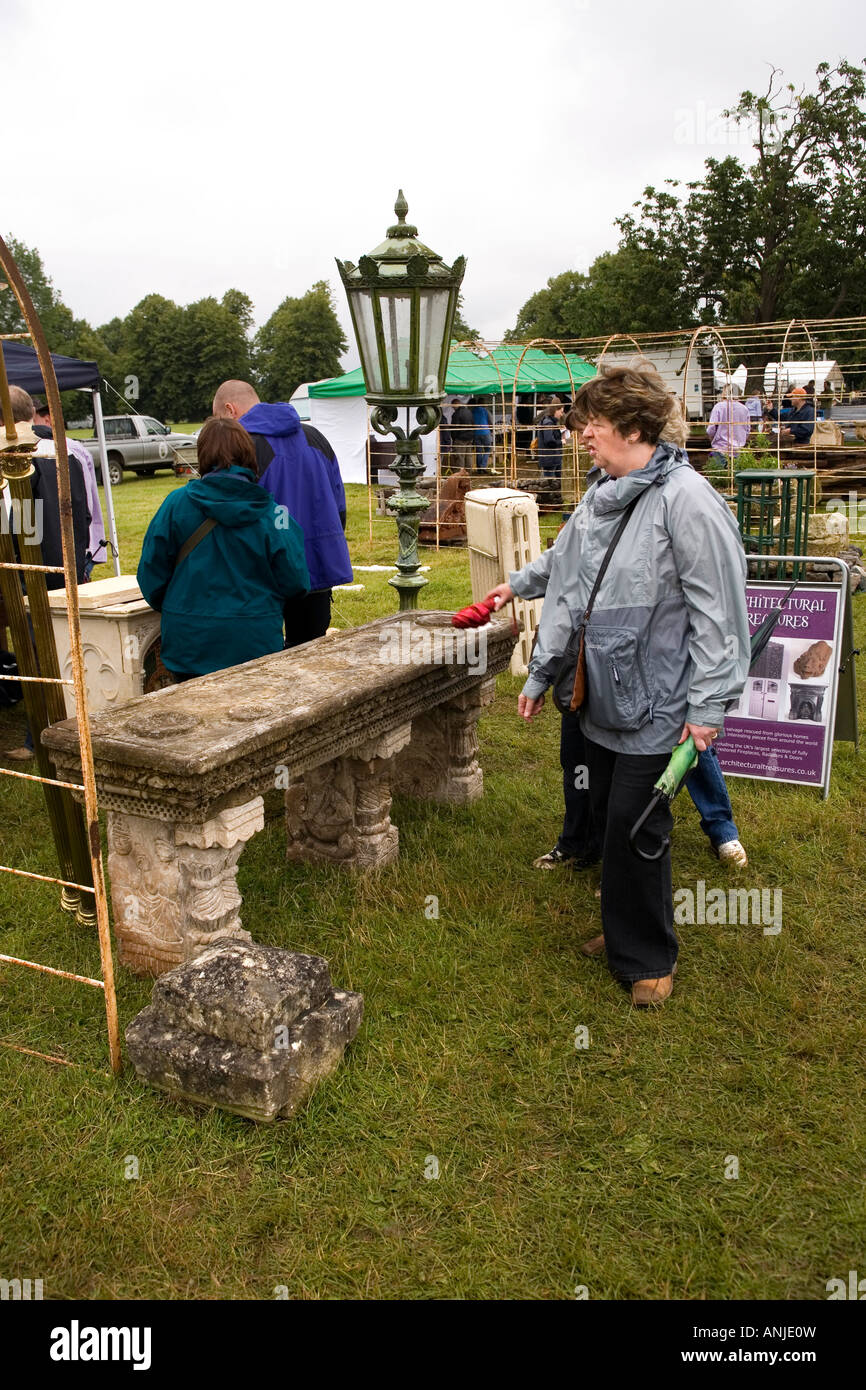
point(632, 399)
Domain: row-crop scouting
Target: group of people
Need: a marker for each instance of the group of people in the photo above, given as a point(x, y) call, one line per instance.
point(732, 420)
point(242, 561)
point(666, 649)
point(87, 525)
point(466, 435)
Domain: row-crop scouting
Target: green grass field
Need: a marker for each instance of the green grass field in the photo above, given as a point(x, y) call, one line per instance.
point(558, 1166)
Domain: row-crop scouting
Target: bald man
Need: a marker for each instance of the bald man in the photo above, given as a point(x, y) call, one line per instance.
point(298, 467)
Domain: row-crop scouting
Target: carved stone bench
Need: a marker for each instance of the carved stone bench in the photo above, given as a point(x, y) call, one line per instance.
point(338, 724)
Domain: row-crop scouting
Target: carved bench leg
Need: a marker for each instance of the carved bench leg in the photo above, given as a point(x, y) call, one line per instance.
point(441, 762)
point(174, 886)
point(340, 813)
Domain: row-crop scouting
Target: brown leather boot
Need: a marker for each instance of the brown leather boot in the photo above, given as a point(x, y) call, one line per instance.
point(645, 993)
point(594, 947)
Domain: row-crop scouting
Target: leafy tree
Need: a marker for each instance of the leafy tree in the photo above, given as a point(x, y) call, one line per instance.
point(301, 341)
point(783, 237)
point(112, 334)
point(240, 306)
point(461, 331)
point(158, 352)
point(630, 290)
point(56, 319)
point(216, 347)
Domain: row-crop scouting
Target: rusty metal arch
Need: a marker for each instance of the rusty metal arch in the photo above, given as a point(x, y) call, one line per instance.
point(614, 337)
point(478, 347)
point(805, 327)
point(704, 330)
point(540, 342)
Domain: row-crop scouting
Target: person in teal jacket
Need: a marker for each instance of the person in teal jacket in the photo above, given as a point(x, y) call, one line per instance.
point(223, 604)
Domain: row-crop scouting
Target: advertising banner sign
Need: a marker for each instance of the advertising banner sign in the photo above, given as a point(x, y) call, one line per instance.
point(782, 728)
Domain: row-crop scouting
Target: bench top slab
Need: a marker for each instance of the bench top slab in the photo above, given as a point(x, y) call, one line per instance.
point(207, 740)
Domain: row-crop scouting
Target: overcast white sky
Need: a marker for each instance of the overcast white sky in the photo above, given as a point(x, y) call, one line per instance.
point(202, 146)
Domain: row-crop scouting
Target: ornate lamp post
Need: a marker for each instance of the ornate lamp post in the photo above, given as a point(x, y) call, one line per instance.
point(402, 298)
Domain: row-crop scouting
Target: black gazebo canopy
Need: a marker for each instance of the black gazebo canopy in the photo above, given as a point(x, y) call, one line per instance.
point(22, 369)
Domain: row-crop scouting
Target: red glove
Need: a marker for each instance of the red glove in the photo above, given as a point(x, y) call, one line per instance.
point(476, 615)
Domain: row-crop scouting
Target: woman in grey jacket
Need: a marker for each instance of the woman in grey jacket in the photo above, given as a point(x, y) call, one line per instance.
point(667, 646)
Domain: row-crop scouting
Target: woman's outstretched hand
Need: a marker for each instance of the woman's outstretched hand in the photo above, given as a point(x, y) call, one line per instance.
point(528, 708)
point(499, 596)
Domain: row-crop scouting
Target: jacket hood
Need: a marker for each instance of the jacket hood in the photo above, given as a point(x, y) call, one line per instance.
point(276, 420)
point(614, 493)
point(230, 496)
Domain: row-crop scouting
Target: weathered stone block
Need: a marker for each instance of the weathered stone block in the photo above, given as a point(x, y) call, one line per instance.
point(243, 995)
point(828, 533)
point(251, 1029)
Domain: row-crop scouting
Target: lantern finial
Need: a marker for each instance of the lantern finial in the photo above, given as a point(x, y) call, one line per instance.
point(401, 231)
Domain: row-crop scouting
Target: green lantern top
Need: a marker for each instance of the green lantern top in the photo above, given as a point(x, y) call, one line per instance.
point(401, 256)
point(403, 297)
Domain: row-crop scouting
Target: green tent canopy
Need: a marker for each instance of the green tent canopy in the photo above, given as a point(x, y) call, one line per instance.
point(469, 375)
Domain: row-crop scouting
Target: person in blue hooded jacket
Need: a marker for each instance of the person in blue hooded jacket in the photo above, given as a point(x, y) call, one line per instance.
point(222, 601)
point(298, 467)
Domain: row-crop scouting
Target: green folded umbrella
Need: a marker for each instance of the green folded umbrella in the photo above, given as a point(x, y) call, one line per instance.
point(685, 755)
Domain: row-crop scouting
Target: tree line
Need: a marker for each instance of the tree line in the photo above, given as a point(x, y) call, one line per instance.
point(167, 359)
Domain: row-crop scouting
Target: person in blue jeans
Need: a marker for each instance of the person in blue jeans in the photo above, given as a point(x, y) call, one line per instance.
point(483, 436)
point(580, 845)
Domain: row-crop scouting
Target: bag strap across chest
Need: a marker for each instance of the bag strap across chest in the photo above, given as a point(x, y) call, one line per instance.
point(608, 556)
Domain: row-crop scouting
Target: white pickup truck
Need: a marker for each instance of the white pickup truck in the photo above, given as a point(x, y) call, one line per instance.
point(140, 444)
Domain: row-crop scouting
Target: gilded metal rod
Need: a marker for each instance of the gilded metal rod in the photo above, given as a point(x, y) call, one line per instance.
point(69, 824)
point(6, 404)
point(49, 970)
point(35, 704)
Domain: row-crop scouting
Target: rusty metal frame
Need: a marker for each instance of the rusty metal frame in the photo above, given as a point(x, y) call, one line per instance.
point(575, 467)
point(88, 787)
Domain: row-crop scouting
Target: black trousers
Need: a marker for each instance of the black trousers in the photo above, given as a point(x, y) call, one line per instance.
point(577, 837)
point(307, 617)
point(637, 910)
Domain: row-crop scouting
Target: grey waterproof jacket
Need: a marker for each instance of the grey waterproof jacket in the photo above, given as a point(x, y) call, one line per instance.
point(668, 639)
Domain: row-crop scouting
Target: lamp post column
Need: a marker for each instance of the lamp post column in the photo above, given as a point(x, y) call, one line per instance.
point(406, 507)
point(407, 504)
